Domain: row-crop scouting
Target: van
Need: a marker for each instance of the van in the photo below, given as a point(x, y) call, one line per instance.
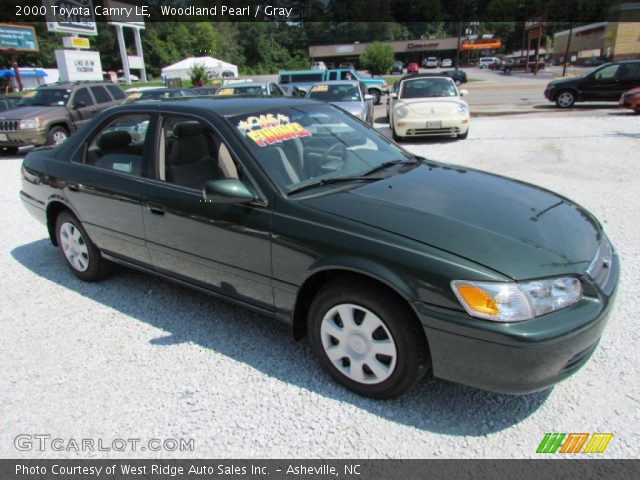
point(484, 62)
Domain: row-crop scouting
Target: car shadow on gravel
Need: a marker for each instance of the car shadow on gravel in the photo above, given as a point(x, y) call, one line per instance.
point(266, 345)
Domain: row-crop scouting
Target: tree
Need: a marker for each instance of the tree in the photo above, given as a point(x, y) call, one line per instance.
point(377, 58)
point(199, 75)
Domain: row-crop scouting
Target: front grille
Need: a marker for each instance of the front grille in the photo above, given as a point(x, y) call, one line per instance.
point(600, 268)
point(9, 125)
point(433, 131)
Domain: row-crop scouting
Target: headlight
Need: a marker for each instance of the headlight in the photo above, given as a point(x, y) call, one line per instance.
point(515, 302)
point(28, 124)
point(401, 112)
point(462, 108)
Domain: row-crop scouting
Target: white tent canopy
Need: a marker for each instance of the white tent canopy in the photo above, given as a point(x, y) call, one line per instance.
point(213, 65)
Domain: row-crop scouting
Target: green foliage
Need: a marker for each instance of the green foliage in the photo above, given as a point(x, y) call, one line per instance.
point(198, 74)
point(377, 58)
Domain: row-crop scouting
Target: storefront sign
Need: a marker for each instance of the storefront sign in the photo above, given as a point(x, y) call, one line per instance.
point(77, 65)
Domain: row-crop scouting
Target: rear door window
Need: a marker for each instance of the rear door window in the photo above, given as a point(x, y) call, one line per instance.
point(101, 94)
point(116, 92)
point(83, 96)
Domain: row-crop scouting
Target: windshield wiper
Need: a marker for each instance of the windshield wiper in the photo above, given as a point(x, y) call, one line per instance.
point(388, 164)
point(329, 181)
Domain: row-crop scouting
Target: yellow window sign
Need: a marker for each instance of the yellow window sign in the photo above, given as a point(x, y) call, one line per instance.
point(320, 88)
point(225, 91)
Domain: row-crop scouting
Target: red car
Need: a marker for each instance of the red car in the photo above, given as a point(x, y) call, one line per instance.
point(413, 68)
point(631, 99)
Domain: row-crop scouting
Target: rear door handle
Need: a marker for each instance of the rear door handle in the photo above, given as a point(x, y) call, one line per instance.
point(156, 209)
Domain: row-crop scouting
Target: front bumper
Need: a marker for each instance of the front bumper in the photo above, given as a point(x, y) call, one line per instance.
point(424, 127)
point(522, 357)
point(21, 138)
point(550, 94)
point(630, 102)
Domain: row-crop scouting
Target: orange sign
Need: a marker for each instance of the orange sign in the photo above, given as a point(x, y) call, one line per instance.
point(492, 44)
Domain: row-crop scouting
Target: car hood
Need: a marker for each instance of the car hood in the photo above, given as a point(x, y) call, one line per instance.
point(514, 228)
point(354, 108)
point(433, 107)
point(20, 113)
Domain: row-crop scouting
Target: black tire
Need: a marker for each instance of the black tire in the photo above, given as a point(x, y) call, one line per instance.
point(412, 354)
point(96, 266)
point(464, 135)
point(55, 133)
point(376, 96)
point(565, 98)
point(396, 138)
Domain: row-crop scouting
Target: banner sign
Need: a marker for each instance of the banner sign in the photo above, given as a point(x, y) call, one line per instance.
point(70, 16)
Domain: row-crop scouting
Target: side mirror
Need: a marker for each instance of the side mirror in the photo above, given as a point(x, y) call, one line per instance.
point(393, 95)
point(79, 104)
point(368, 98)
point(229, 190)
point(464, 92)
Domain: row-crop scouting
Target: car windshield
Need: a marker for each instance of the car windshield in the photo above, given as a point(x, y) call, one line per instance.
point(310, 144)
point(256, 90)
point(428, 87)
point(335, 93)
point(46, 98)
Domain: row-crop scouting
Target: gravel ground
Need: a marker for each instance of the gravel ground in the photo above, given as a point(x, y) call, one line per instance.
point(138, 357)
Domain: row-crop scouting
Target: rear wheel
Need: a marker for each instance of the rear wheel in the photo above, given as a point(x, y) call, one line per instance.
point(367, 339)
point(565, 99)
point(82, 256)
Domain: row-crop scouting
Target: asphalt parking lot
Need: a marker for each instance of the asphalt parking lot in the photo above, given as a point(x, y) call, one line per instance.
point(138, 357)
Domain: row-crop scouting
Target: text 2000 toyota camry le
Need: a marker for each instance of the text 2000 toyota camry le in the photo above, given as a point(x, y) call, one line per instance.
point(389, 263)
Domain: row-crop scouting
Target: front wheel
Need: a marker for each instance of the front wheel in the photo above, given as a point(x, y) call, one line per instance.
point(81, 255)
point(367, 339)
point(57, 135)
point(376, 96)
point(565, 99)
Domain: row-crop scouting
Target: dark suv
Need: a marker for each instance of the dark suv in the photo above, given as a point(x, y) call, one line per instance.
point(605, 83)
point(48, 115)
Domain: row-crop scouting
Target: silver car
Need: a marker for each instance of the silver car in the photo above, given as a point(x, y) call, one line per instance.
point(347, 94)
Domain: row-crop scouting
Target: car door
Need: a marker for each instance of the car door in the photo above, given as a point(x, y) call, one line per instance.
point(222, 247)
point(628, 77)
point(105, 181)
point(103, 99)
point(83, 107)
point(602, 84)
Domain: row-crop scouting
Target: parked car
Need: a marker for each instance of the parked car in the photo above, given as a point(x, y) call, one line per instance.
point(259, 89)
point(48, 115)
point(430, 62)
point(159, 93)
point(521, 64)
point(413, 68)
point(228, 74)
point(459, 76)
point(496, 65)
point(348, 65)
point(397, 67)
point(350, 96)
point(425, 105)
point(595, 62)
point(8, 102)
point(318, 66)
point(132, 77)
point(301, 80)
point(392, 265)
point(206, 90)
point(446, 63)
point(605, 83)
point(484, 62)
point(631, 99)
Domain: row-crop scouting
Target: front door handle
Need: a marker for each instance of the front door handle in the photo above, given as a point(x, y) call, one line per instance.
point(156, 209)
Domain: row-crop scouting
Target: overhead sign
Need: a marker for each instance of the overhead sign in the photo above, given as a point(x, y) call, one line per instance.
point(78, 65)
point(482, 45)
point(70, 16)
point(423, 45)
point(76, 42)
point(20, 38)
point(344, 48)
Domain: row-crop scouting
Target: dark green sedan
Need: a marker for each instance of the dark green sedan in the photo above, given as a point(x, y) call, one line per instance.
point(389, 263)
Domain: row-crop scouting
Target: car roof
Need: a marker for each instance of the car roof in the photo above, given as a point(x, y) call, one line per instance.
point(424, 75)
point(221, 105)
point(247, 84)
point(353, 83)
point(68, 86)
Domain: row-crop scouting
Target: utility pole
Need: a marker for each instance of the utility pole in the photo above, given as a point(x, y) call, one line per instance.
point(566, 52)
